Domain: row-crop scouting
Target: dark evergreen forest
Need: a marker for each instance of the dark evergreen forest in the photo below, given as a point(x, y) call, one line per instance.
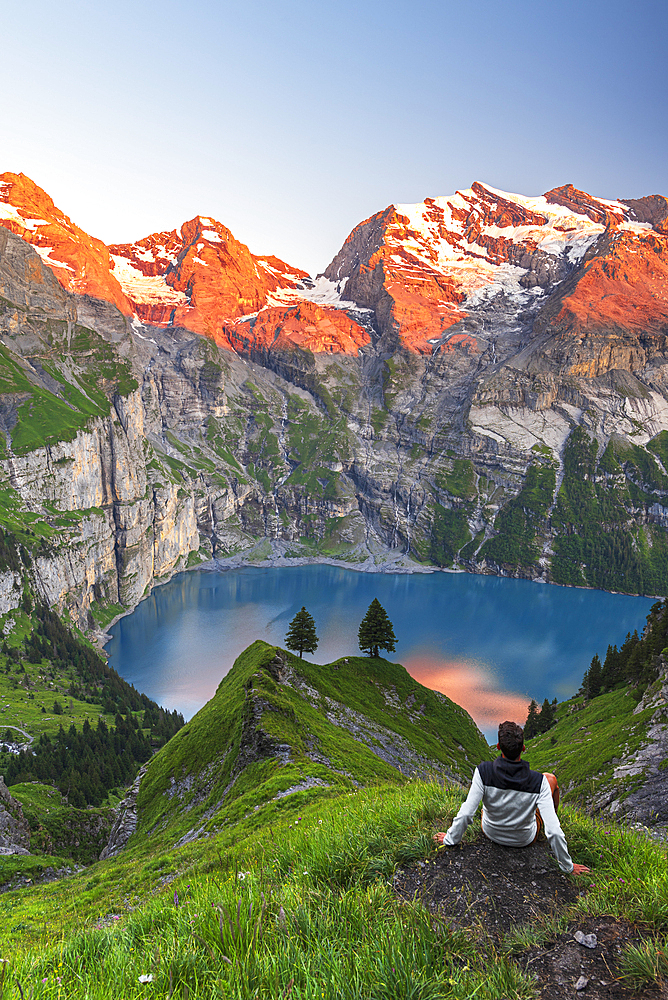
point(86, 764)
point(636, 662)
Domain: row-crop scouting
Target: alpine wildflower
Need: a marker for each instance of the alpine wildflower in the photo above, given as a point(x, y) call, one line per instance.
point(146, 977)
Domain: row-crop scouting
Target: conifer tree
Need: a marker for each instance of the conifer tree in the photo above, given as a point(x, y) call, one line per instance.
point(594, 678)
point(546, 718)
point(531, 725)
point(610, 667)
point(375, 631)
point(301, 637)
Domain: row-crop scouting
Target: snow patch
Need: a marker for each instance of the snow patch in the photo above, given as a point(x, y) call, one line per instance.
point(428, 237)
point(638, 228)
point(211, 235)
point(246, 318)
point(11, 214)
point(616, 206)
point(580, 247)
point(147, 255)
point(45, 252)
point(143, 288)
point(137, 325)
point(287, 275)
point(324, 293)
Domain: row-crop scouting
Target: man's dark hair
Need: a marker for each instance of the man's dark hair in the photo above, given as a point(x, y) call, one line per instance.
point(511, 740)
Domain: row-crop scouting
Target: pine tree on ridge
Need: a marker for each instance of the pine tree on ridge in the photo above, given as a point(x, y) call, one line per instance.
point(301, 636)
point(375, 631)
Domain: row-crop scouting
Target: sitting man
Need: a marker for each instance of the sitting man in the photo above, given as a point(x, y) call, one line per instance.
point(516, 802)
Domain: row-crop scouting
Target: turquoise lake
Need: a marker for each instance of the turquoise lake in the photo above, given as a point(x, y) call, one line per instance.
point(490, 644)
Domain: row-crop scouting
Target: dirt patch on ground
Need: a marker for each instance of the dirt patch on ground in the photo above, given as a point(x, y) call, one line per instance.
point(560, 964)
point(492, 890)
point(489, 885)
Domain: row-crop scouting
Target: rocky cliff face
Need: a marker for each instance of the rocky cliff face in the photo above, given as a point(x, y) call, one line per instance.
point(477, 381)
point(14, 830)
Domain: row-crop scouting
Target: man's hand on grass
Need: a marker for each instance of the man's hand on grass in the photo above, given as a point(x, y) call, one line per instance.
point(580, 870)
point(439, 838)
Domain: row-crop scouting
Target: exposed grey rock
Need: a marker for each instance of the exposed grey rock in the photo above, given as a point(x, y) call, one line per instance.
point(172, 475)
point(586, 940)
point(126, 820)
point(386, 744)
point(14, 829)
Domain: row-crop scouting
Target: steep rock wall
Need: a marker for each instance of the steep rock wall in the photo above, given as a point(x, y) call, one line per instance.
point(135, 450)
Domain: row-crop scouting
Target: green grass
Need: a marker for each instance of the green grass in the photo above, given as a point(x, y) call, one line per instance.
point(301, 906)
point(27, 688)
point(291, 893)
point(581, 747)
point(94, 372)
point(458, 481)
point(647, 964)
point(378, 420)
point(57, 829)
point(19, 709)
point(105, 613)
point(27, 866)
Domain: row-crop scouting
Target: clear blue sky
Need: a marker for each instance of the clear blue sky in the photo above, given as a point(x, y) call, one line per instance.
point(292, 121)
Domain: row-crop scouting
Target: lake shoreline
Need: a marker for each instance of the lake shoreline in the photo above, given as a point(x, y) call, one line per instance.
point(400, 564)
point(489, 643)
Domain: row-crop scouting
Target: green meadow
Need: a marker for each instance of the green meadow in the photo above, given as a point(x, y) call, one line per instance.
point(302, 905)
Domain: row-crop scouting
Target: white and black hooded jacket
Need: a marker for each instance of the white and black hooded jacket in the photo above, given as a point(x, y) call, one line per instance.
point(510, 793)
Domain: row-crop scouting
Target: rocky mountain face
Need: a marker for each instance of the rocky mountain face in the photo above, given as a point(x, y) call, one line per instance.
point(477, 381)
point(14, 830)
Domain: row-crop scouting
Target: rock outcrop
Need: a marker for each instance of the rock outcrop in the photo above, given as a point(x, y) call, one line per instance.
point(125, 823)
point(646, 802)
point(14, 829)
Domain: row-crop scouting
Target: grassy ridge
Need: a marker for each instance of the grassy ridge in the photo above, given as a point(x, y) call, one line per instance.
point(291, 895)
point(258, 737)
